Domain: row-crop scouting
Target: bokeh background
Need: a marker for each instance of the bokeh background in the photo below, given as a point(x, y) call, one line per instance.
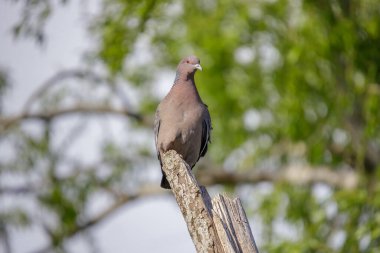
point(293, 88)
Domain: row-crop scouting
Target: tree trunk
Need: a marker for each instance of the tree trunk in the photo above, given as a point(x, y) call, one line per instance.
point(219, 225)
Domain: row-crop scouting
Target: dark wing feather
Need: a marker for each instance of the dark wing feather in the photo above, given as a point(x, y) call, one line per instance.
point(206, 132)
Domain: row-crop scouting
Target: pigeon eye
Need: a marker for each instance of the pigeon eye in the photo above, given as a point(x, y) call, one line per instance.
point(187, 62)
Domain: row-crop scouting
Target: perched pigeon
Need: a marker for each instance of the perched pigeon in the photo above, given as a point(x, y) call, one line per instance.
point(182, 121)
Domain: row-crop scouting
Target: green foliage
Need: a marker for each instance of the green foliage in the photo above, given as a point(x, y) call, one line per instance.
point(316, 78)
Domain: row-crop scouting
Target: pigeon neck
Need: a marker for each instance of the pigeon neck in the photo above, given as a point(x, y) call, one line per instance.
point(183, 77)
point(184, 86)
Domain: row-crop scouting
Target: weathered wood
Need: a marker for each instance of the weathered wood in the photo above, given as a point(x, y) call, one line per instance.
point(219, 225)
point(232, 214)
point(189, 198)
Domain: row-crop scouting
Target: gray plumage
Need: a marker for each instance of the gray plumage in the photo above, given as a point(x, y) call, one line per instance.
point(182, 121)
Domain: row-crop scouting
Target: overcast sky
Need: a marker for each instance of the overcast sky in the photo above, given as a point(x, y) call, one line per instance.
point(148, 225)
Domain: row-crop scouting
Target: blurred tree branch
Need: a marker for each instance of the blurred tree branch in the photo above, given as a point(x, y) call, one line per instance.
point(296, 175)
point(6, 122)
point(121, 200)
point(59, 77)
point(17, 190)
point(293, 174)
point(88, 75)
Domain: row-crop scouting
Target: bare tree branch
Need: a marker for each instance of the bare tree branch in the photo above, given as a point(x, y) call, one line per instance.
point(6, 122)
point(297, 175)
point(217, 225)
point(17, 190)
point(121, 200)
point(57, 78)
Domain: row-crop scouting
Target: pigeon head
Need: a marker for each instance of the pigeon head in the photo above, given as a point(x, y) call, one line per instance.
point(189, 65)
point(186, 68)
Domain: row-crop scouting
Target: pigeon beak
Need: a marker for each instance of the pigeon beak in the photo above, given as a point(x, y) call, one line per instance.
point(198, 66)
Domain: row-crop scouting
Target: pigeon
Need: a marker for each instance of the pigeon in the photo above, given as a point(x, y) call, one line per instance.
point(182, 121)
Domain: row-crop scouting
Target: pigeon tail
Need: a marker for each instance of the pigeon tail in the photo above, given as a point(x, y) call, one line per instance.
point(164, 183)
